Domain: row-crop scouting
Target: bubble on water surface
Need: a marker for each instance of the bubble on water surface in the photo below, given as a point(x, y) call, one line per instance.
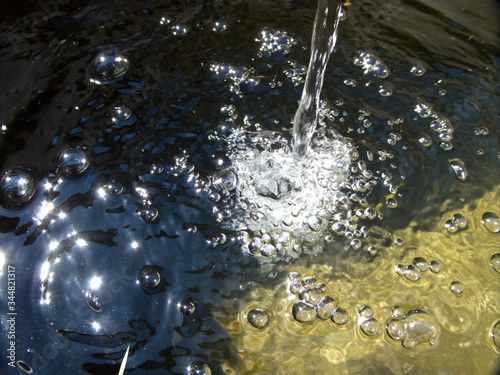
point(370, 327)
point(457, 287)
point(417, 70)
point(149, 277)
point(199, 368)
point(121, 113)
point(17, 187)
point(412, 273)
point(25, 367)
point(108, 66)
point(220, 27)
point(371, 64)
point(340, 316)
point(258, 318)
point(304, 312)
point(495, 334)
point(459, 168)
point(187, 307)
point(73, 161)
point(491, 221)
point(435, 266)
point(325, 307)
point(93, 301)
point(420, 264)
point(420, 328)
point(149, 213)
point(495, 262)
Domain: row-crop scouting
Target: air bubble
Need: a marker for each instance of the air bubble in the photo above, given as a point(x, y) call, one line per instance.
point(149, 213)
point(399, 269)
point(258, 318)
point(366, 312)
point(425, 140)
point(93, 301)
point(397, 312)
point(340, 316)
point(457, 287)
point(268, 250)
point(187, 307)
point(491, 221)
point(385, 91)
point(149, 277)
point(495, 334)
point(199, 368)
point(304, 312)
point(458, 167)
point(325, 307)
point(417, 70)
point(220, 27)
point(314, 223)
point(225, 180)
point(370, 327)
point(435, 266)
point(395, 329)
point(412, 273)
point(495, 262)
point(121, 113)
point(451, 226)
point(179, 30)
point(17, 187)
point(460, 221)
point(73, 161)
point(372, 250)
point(108, 66)
point(420, 328)
point(421, 264)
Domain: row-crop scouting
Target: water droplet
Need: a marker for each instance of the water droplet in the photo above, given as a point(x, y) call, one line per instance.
point(491, 221)
point(457, 287)
point(435, 266)
point(225, 180)
point(370, 327)
point(495, 262)
point(17, 187)
point(395, 329)
point(93, 301)
point(420, 328)
point(149, 277)
point(495, 334)
point(325, 307)
point(187, 307)
point(121, 113)
point(258, 318)
point(421, 264)
point(73, 161)
point(340, 316)
point(108, 66)
point(458, 167)
point(199, 368)
point(304, 312)
point(412, 273)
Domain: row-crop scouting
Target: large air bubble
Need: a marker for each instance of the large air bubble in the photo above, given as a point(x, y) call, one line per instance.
point(17, 187)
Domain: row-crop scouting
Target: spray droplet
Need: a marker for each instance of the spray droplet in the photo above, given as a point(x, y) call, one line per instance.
point(199, 368)
point(17, 187)
point(258, 318)
point(73, 161)
point(304, 312)
point(458, 167)
point(491, 221)
point(457, 287)
point(108, 66)
point(149, 277)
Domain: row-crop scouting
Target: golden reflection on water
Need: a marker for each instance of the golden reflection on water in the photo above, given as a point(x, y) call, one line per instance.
point(461, 341)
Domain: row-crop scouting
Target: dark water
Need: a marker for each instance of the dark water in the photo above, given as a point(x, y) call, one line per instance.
point(413, 85)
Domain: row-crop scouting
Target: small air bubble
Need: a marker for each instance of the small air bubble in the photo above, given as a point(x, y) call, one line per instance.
point(491, 221)
point(258, 318)
point(457, 287)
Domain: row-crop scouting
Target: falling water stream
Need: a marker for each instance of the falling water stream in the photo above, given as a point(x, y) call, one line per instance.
point(323, 42)
point(158, 194)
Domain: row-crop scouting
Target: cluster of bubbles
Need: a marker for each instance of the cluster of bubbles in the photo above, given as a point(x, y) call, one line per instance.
point(438, 123)
point(272, 41)
point(371, 64)
point(414, 328)
point(313, 301)
point(457, 223)
point(282, 205)
point(413, 271)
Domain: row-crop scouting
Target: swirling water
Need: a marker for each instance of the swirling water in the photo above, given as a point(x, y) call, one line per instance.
point(135, 139)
